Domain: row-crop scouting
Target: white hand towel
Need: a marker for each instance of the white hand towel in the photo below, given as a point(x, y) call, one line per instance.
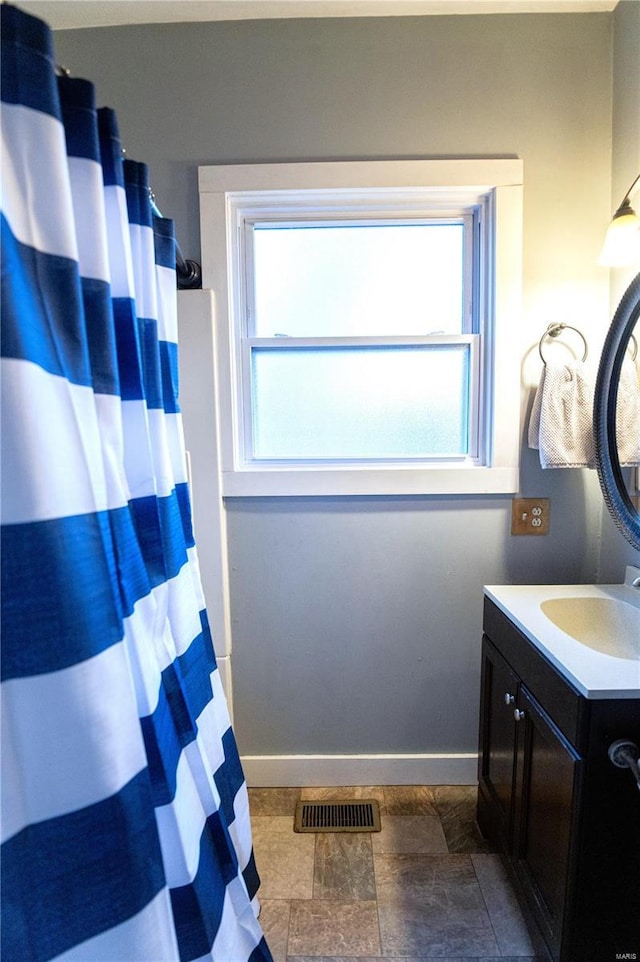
point(628, 414)
point(561, 418)
point(534, 417)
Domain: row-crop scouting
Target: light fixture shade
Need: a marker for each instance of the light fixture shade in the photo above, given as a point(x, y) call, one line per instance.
point(622, 240)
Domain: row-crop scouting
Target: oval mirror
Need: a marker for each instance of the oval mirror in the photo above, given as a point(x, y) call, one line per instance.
point(619, 338)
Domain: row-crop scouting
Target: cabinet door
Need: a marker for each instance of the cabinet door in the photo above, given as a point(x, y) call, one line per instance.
point(497, 746)
point(548, 772)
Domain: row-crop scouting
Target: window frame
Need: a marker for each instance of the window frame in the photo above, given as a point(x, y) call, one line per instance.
point(233, 196)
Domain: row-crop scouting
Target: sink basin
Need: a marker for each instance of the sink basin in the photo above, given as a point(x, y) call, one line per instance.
point(589, 632)
point(607, 625)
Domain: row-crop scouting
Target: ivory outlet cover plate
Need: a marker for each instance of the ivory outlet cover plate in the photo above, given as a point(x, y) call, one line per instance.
point(530, 516)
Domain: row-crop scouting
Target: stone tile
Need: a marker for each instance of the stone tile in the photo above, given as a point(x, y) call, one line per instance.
point(464, 839)
point(447, 797)
point(273, 801)
point(502, 905)
point(408, 800)
point(432, 905)
point(400, 936)
point(284, 858)
point(409, 834)
point(459, 800)
point(455, 908)
point(334, 928)
point(456, 806)
point(441, 888)
point(333, 793)
point(344, 866)
point(274, 920)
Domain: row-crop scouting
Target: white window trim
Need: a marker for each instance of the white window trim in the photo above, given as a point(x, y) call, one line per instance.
point(227, 190)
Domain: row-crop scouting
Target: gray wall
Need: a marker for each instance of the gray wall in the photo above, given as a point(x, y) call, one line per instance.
point(189, 94)
point(356, 622)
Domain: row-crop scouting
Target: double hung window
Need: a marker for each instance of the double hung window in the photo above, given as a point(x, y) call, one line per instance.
point(358, 326)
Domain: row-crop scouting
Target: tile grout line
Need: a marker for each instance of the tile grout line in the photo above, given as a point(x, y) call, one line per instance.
point(375, 886)
point(286, 947)
point(486, 907)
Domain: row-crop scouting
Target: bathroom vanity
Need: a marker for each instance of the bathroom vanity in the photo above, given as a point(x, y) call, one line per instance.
point(566, 819)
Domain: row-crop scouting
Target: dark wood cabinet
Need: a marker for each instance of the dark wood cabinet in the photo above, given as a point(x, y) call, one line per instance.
point(548, 782)
point(498, 742)
point(551, 801)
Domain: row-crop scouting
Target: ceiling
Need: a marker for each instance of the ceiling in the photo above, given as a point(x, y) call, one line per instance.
point(71, 14)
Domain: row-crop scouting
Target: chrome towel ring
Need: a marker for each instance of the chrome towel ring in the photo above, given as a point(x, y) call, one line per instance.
point(554, 330)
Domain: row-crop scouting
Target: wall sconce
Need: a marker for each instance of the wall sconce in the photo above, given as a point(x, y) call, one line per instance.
point(622, 240)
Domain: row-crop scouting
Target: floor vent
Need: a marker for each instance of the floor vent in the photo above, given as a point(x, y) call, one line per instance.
point(346, 816)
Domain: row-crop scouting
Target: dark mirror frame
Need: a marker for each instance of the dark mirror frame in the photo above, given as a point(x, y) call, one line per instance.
point(612, 484)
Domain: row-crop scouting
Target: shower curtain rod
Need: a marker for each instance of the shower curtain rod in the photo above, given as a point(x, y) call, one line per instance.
point(188, 273)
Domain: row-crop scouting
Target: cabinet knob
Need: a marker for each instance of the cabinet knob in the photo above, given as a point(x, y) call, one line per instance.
point(509, 699)
point(518, 715)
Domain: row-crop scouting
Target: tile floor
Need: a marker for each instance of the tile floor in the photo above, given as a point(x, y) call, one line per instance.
point(426, 887)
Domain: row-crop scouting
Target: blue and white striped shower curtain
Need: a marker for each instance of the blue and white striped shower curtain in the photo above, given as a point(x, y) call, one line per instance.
point(125, 824)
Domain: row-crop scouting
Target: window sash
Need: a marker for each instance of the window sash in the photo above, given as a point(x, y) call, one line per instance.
point(474, 394)
point(468, 216)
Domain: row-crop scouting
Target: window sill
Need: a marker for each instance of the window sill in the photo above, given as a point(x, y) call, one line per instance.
point(381, 481)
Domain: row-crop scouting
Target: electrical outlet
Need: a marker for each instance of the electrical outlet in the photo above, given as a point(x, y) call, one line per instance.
point(530, 516)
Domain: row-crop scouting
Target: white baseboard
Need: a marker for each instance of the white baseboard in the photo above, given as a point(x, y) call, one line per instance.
point(282, 771)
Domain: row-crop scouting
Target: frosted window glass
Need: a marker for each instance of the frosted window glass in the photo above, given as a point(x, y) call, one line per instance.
point(374, 402)
point(358, 280)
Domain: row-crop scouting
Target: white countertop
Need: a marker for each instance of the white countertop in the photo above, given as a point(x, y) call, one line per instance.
point(593, 674)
